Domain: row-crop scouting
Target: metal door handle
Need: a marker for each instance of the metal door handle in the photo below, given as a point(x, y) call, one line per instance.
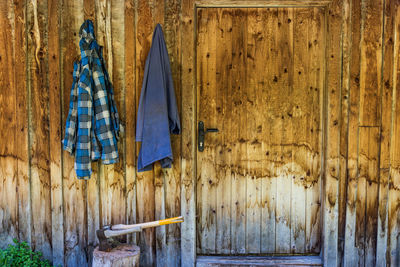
point(202, 133)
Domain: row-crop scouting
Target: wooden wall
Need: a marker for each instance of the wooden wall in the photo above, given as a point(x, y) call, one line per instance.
point(43, 203)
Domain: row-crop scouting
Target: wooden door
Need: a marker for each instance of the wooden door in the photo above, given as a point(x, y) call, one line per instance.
point(260, 81)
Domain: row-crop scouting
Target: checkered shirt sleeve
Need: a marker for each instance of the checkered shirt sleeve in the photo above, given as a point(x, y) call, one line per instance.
point(110, 92)
point(85, 114)
point(104, 127)
point(69, 140)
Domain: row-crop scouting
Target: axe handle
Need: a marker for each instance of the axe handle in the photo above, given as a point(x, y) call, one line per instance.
point(111, 233)
point(147, 224)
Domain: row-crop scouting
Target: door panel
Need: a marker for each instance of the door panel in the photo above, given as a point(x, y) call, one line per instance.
point(260, 80)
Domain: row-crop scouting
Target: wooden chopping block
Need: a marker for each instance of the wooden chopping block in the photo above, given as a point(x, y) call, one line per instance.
point(122, 255)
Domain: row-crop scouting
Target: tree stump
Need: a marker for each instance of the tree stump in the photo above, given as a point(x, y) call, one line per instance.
point(123, 255)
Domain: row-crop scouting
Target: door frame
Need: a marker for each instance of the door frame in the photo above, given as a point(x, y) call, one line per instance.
point(330, 165)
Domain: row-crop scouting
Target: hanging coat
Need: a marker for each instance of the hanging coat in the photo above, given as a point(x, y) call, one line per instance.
point(92, 125)
point(158, 113)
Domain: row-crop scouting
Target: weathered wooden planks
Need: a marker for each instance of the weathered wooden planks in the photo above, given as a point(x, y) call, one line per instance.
point(269, 184)
point(236, 162)
point(145, 197)
point(188, 169)
point(74, 209)
point(21, 134)
point(254, 152)
point(39, 145)
point(130, 109)
point(386, 128)
point(238, 180)
point(344, 126)
point(350, 257)
point(392, 255)
point(8, 124)
point(74, 190)
point(224, 54)
point(370, 113)
point(173, 35)
point(332, 132)
point(55, 131)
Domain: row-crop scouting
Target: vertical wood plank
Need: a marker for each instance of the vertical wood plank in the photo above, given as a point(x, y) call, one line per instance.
point(269, 183)
point(55, 131)
point(372, 196)
point(367, 206)
point(74, 190)
point(159, 192)
point(130, 113)
point(117, 28)
point(350, 251)
point(370, 91)
point(238, 200)
point(299, 131)
point(392, 254)
point(39, 133)
point(386, 127)
point(313, 178)
point(188, 196)
point(344, 126)
point(371, 62)
point(206, 106)
point(145, 181)
point(106, 173)
point(22, 131)
point(224, 105)
point(172, 32)
point(283, 133)
point(8, 98)
point(254, 153)
point(201, 19)
point(332, 128)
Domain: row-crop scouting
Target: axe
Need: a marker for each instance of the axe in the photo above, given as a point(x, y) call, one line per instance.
point(105, 234)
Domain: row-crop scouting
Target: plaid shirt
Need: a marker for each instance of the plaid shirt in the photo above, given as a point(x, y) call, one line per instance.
point(92, 126)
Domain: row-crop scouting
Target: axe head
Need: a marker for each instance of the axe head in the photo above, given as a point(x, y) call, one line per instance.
point(106, 243)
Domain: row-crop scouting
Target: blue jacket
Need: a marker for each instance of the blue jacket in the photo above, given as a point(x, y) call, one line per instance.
point(158, 114)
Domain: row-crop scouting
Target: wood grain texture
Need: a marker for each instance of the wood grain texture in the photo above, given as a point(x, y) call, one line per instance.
point(386, 128)
point(22, 125)
point(37, 20)
point(118, 186)
point(259, 261)
point(130, 109)
point(392, 255)
point(351, 213)
point(55, 131)
point(332, 133)
point(188, 163)
point(370, 92)
point(269, 184)
point(8, 156)
point(74, 190)
point(236, 161)
point(371, 62)
point(350, 257)
point(106, 173)
point(262, 3)
point(145, 191)
point(344, 126)
point(172, 32)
